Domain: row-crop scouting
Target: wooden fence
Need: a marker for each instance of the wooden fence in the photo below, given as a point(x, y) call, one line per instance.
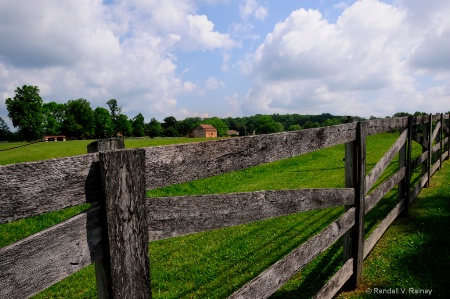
point(115, 232)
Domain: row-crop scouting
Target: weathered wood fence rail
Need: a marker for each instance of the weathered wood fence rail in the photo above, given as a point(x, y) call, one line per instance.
point(114, 233)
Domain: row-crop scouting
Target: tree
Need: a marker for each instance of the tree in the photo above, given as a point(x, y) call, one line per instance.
point(53, 118)
point(170, 127)
point(123, 125)
point(154, 128)
point(138, 125)
point(79, 119)
point(4, 130)
point(115, 111)
point(294, 128)
point(25, 112)
point(103, 125)
point(266, 124)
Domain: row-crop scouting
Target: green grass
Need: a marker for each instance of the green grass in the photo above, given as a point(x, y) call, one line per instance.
point(47, 150)
point(214, 264)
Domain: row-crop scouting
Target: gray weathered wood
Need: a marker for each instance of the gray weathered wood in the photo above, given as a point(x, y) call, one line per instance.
point(420, 140)
point(409, 168)
point(435, 167)
point(269, 281)
point(382, 227)
point(385, 125)
point(436, 132)
point(350, 178)
point(184, 162)
point(383, 189)
point(360, 191)
point(418, 187)
point(104, 145)
point(37, 262)
point(330, 289)
point(182, 215)
point(29, 189)
point(419, 160)
point(381, 166)
point(123, 182)
point(429, 163)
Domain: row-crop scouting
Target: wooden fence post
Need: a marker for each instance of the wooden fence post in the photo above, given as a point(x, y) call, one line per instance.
point(124, 269)
point(407, 179)
point(350, 164)
point(441, 140)
point(430, 146)
point(359, 175)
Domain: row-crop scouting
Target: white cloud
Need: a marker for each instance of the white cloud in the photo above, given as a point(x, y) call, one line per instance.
point(252, 8)
point(83, 48)
point(214, 83)
point(360, 65)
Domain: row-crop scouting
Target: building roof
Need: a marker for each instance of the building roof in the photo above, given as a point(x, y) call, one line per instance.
point(207, 127)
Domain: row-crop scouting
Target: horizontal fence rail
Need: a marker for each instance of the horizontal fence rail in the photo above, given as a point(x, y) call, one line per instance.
point(114, 233)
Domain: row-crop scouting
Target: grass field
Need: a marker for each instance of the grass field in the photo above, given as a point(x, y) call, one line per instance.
point(214, 264)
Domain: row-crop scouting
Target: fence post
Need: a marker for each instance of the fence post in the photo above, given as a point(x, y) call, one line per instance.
point(124, 269)
point(402, 157)
point(359, 175)
point(407, 179)
point(441, 140)
point(430, 146)
point(350, 164)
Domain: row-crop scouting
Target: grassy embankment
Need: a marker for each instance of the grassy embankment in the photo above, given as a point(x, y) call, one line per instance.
point(213, 264)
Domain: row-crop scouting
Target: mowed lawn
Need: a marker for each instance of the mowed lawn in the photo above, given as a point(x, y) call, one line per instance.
point(214, 264)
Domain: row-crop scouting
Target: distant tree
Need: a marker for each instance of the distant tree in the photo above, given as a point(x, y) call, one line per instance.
point(218, 124)
point(309, 124)
point(154, 128)
point(266, 124)
point(400, 114)
point(294, 128)
point(103, 125)
point(115, 111)
point(123, 125)
point(79, 119)
point(170, 127)
point(187, 125)
point(25, 112)
point(53, 117)
point(138, 125)
point(4, 130)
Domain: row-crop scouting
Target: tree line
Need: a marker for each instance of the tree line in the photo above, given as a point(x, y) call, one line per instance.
point(76, 119)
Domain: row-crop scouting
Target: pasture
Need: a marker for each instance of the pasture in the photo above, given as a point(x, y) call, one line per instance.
point(213, 264)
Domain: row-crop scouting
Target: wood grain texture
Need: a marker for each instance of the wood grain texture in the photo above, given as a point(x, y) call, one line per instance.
point(269, 281)
point(37, 262)
point(383, 189)
point(332, 287)
point(420, 140)
point(418, 187)
point(372, 240)
point(29, 189)
point(104, 145)
point(173, 164)
point(177, 216)
point(386, 125)
point(123, 183)
point(419, 160)
point(381, 166)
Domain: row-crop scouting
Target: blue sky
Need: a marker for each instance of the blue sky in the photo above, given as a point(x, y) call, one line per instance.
point(234, 58)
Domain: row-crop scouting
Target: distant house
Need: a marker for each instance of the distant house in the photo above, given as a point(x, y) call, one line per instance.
point(204, 131)
point(54, 138)
point(232, 133)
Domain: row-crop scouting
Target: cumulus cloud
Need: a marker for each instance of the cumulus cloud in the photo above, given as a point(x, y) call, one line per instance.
point(83, 48)
point(362, 65)
point(252, 8)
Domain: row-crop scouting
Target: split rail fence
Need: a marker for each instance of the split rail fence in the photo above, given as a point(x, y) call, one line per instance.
point(115, 232)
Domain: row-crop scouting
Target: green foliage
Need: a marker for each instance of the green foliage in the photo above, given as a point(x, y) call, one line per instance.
point(53, 118)
point(26, 113)
point(294, 128)
point(266, 125)
point(123, 125)
point(104, 126)
point(138, 125)
point(4, 130)
point(154, 128)
point(79, 119)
